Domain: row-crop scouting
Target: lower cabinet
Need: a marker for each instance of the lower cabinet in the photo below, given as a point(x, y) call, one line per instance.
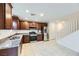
point(25, 39)
point(39, 38)
point(9, 52)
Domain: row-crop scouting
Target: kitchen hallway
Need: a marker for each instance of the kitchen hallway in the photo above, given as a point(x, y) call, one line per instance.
point(46, 48)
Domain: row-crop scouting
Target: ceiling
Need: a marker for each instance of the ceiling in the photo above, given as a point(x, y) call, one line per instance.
point(52, 11)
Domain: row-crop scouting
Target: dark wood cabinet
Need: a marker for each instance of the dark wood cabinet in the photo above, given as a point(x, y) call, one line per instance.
point(24, 25)
point(44, 24)
point(8, 16)
point(9, 52)
point(32, 24)
point(5, 16)
point(39, 37)
point(25, 39)
point(2, 16)
point(39, 26)
point(15, 23)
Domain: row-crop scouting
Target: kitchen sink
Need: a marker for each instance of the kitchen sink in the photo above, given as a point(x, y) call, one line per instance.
point(14, 37)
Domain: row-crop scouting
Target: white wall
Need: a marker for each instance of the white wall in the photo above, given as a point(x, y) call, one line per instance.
point(63, 26)
point(71, 41)
point(51, 29)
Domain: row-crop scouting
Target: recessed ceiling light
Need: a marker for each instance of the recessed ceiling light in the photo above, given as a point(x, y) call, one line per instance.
point(41, 14)
point(27, 11)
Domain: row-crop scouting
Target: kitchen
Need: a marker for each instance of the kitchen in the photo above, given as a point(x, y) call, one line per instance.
point(37, 29)
point(18, 31)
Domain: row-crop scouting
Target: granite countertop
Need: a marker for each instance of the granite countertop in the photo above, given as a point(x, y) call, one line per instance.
point(11, 43)
point(6, 35)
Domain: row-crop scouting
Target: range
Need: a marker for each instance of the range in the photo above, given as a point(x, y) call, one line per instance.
point(33, 34)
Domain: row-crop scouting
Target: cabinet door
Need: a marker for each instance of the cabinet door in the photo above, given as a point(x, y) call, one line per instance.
point(33, 24)
point(8, 16)
point(39, 26)
point(39, 38)
point(44, 24)
point(5, 16)
point(2, 16)
point(24, 25)
point(25, 39)
point(15, 23)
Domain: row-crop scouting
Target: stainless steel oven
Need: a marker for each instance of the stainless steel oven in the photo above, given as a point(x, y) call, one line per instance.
point(33, 35)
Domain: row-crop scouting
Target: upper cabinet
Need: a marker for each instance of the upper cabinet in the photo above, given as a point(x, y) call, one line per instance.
point(39, 26)
point(8, 16)
point(24, 25)
point(2, 15)
point(15, 23)
point(5, 16)
point(33, 24)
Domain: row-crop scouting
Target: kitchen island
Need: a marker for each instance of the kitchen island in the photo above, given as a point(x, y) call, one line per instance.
point(10, 43)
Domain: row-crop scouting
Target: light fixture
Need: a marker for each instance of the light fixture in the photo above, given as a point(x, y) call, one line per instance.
point(41, 14)
point(27, 11)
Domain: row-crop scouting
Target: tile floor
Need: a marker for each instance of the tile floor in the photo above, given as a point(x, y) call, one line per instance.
point(46, 48)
